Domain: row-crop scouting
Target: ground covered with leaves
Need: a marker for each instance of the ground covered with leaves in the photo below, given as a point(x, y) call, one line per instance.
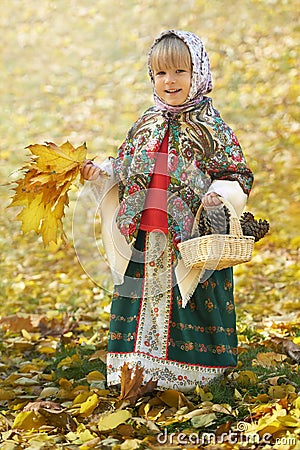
point(76, 71)
point(53, 394)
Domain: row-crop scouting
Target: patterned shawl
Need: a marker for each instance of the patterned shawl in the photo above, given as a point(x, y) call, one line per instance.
point(202, 148)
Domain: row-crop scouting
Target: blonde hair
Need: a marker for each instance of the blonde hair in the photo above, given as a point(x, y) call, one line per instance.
point(170, 52)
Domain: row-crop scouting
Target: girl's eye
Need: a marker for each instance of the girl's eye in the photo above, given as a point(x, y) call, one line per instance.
point(160, 73)
point(180, 70)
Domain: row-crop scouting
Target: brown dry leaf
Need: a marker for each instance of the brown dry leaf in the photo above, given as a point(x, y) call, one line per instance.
point(36, 406)
point(261, 410)
point(223, 408)
point(54, 414)
point(269, 359)
point(149, 424)
point(37, 322)
point(261, 398)
point(152, 409)
point(223, 428)
point(125, 430)
point(99, 354)
point(289, 348)
point(61, 420)
point(55, 327)
point(276, 420)
point(131, 386)
point(175, 399)
point(154, 413)
point(16, 323)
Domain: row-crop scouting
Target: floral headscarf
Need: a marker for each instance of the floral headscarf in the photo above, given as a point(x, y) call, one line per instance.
point(201, 75)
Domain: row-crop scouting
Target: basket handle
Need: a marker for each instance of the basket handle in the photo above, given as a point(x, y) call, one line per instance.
point(234, 222)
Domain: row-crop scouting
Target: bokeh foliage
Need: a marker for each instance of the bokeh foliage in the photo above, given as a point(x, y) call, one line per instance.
point(77, 71)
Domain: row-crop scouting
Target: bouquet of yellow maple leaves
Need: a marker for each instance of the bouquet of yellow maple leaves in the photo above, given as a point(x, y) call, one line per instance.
point(43, 190)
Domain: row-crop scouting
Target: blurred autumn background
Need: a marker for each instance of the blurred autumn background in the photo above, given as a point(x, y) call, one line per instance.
point(76, 70)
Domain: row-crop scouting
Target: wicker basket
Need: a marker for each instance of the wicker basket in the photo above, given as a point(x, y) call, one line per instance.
point(217, 251)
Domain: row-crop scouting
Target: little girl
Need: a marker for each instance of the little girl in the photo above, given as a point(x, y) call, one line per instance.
point(175, 324)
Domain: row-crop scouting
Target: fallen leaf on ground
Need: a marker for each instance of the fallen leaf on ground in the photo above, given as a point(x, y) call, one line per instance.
point(112, 420)
point(131, 386)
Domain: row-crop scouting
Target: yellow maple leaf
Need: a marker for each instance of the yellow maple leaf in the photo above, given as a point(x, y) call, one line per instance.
point(42, 192)
point(25, 190)
point(49, 226)
point(32, 215)
point(51, 158)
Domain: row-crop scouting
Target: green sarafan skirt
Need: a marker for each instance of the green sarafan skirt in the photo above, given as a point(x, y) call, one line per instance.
point(179, 347)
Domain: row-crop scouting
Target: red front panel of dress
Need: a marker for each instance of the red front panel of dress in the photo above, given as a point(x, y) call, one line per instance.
point(155, 216)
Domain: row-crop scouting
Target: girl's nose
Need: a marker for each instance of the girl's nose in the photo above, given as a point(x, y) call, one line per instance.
point(169, 78)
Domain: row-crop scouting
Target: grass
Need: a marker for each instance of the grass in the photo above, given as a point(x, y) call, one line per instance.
point(78, 364)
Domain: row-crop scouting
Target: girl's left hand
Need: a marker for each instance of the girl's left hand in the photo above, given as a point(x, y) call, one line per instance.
point(90, 171)
point(210, 200)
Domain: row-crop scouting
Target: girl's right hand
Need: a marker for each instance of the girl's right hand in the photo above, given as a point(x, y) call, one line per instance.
point(90, 171)
point(211, 200)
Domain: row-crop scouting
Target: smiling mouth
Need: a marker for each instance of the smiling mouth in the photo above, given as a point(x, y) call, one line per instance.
point(172, 91)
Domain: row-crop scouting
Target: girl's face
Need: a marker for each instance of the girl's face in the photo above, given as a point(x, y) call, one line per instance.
point(172, 85)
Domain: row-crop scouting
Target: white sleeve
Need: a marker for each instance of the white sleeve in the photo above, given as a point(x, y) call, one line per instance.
point(104, 181)
point(105, 166)
point(101, 196)
point(231, 191)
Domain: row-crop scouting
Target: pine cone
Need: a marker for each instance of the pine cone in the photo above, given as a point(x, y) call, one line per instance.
point(247, 217)
point(204, 227)
point(217, 221)
point(252, 227)
point(214, 221)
